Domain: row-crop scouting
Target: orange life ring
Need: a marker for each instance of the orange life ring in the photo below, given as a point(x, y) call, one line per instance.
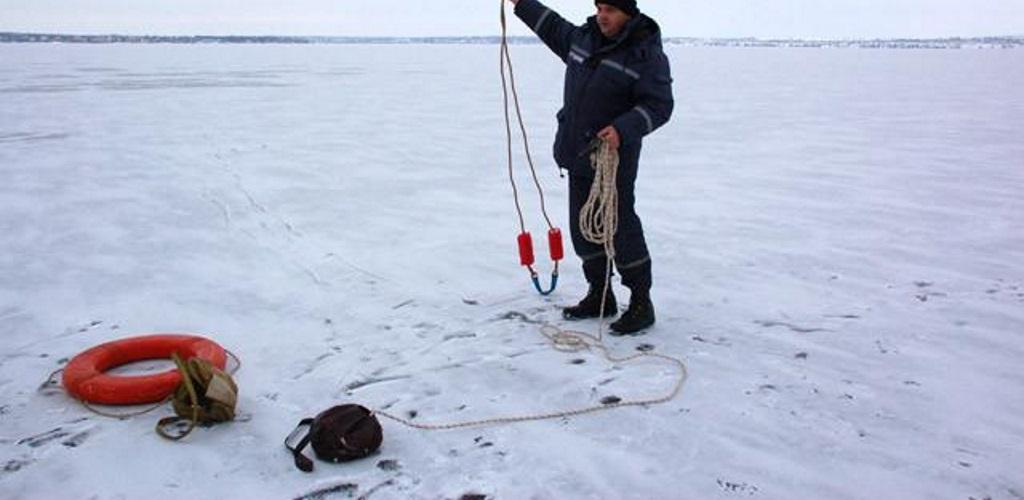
point(85, 379)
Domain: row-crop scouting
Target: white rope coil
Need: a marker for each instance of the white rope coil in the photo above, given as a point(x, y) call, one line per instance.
point(599, 216)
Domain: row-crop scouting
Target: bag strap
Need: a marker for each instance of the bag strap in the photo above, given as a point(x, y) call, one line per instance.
point(302, 462)
point(186, 378)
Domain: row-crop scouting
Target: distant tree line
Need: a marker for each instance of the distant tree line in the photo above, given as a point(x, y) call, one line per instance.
point(897, 43)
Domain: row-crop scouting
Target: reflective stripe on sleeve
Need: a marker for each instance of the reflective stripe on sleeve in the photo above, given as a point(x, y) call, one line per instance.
point(543, 17)
point(647, 117)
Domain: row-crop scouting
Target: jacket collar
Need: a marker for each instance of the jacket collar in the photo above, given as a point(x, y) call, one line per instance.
point(639, 27)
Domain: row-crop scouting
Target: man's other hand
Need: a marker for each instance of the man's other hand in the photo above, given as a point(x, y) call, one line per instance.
point(611, 136)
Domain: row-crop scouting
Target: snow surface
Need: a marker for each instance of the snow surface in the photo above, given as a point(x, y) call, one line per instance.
point(837, 239)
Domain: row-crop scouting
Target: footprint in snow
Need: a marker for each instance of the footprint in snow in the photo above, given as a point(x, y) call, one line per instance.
point(14, 465)
point(71, 436)
point(737, 487)
point(389, 465)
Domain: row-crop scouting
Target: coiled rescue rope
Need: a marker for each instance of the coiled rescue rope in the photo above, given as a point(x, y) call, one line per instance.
point(599, 217)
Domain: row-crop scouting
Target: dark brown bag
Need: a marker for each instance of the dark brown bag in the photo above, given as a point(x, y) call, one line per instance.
point(339, 434)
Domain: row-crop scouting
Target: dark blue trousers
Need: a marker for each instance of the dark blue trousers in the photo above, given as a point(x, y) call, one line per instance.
point(631, 257)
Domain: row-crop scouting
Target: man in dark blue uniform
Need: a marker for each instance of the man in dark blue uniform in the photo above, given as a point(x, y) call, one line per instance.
point(618, 87)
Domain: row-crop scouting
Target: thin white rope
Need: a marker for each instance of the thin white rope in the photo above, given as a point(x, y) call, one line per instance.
point(600, 219)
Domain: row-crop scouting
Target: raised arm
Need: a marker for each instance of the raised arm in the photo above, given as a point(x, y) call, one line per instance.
point(552, 29)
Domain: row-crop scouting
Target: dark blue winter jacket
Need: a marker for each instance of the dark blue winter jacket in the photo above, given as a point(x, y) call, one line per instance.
point(625, 82)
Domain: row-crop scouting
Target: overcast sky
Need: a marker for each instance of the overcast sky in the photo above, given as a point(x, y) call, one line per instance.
point(698, 18)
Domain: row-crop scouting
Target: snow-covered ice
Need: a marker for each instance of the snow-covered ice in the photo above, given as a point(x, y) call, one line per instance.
point(837, 239)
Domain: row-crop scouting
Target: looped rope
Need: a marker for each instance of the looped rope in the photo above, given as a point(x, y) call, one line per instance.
point(565, 341)
point(599, 217)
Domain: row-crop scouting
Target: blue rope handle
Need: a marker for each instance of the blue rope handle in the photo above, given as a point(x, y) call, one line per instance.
point(540, 289)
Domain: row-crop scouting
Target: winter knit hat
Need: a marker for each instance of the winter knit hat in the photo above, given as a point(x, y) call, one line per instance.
point(627, 6)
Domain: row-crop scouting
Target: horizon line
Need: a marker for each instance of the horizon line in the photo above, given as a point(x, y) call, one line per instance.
point(511, 37)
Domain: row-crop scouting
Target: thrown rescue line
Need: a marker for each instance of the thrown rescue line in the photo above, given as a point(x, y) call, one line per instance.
point(600, 221)
point(525, 240)
point(360, 433)
point(351, 431)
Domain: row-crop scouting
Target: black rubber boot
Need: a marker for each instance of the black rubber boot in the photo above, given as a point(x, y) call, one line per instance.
point(590, 306)
point(638, 316)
